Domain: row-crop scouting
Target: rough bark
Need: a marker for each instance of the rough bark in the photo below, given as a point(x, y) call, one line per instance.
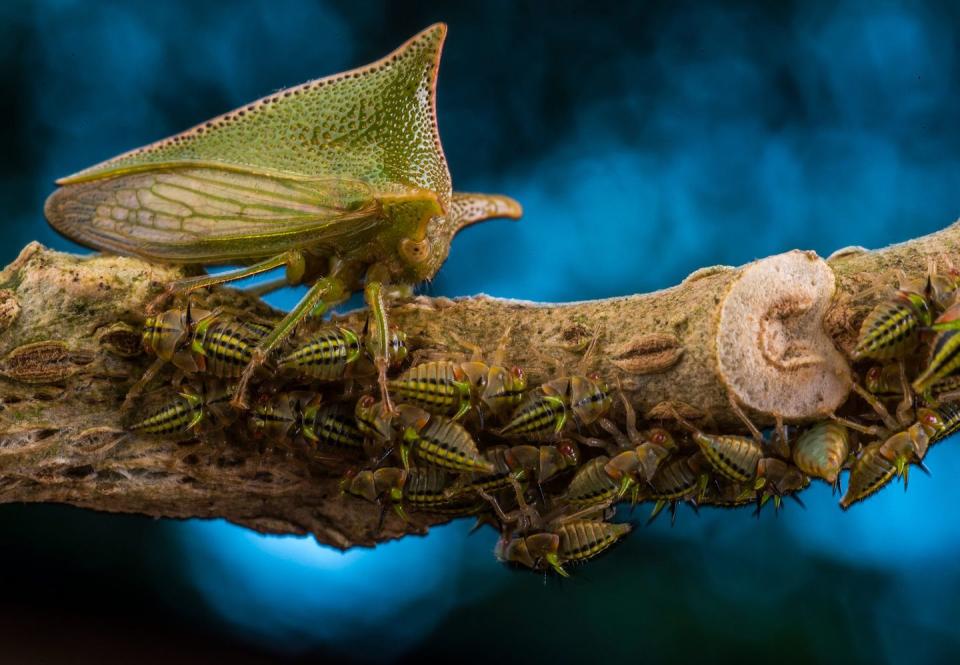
point(772, 334)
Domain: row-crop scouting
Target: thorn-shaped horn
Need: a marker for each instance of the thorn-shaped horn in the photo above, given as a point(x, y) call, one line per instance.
point(470, 208)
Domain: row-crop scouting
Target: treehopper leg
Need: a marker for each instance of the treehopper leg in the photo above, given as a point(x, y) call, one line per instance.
point(857, 427)
point(293, 260)
point(139, 386)
point(373, 294)
point(326, 290)
point(905, 408)
point(889, 421)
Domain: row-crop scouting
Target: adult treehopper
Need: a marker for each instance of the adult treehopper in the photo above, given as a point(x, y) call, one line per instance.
point(341, 180)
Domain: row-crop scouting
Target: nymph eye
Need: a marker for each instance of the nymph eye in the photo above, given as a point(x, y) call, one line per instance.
point(569, 451)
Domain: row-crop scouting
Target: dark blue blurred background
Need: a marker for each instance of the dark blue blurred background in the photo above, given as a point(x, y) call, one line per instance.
point(645, 141)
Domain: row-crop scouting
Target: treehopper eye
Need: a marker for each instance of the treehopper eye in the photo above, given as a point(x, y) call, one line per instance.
point(342, 181)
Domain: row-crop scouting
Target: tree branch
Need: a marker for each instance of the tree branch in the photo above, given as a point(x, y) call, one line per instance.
point(767, 334)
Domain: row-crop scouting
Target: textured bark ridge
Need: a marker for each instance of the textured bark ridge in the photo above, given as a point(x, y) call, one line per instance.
point(772, 335)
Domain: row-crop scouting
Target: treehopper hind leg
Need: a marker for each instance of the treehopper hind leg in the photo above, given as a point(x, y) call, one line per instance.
point(294, 260)
point(373, 294)
point(376, 291)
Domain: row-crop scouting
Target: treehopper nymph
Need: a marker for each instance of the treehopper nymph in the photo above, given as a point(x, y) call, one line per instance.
point(342, 181)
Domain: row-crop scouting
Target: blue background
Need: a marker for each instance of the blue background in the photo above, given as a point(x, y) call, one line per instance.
point(644, 141)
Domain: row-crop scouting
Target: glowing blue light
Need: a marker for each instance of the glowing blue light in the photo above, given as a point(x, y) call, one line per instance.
point(897, 530)
point(295, 593)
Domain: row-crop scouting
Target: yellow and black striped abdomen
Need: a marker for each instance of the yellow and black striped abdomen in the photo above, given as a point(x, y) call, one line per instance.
point(425, 488)
point(257, 329)
point(589, 400)
point(869, 474)
point(446, 444)
point(227, 346)
point(591, 485)
point(482, 482)
point(326, 356)
point(275, 417)
point(498, 479)
point(540, 417)
point(583, 539)
point(436, 387)
point(332, 425)
point(177, 417)
point(674, 480)
point(944, 360)
point(891, 330)
point(735, 457)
